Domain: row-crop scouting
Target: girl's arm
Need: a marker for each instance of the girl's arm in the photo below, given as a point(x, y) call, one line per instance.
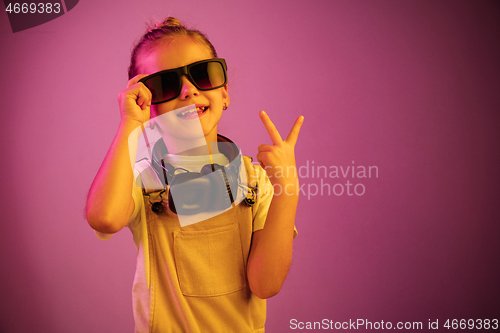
point(110, 203)
point(271, 251)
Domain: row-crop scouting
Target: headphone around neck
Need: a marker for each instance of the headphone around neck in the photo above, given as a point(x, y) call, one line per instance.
point(214, 188)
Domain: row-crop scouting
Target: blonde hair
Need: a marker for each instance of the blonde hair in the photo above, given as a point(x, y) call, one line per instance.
point(169, 28)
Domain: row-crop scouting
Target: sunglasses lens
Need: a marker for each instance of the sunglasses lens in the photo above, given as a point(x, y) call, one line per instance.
point(163, 87)
point(208, 75)
point(166, 86)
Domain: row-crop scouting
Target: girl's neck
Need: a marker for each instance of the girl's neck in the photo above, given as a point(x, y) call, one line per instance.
point(191, 147)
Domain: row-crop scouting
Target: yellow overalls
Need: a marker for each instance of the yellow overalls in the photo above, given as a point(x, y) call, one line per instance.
point(193, 278)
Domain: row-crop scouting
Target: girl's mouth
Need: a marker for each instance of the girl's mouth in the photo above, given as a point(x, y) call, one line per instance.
point(193, 113)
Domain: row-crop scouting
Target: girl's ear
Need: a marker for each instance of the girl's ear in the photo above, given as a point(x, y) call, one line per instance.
point(225, 97)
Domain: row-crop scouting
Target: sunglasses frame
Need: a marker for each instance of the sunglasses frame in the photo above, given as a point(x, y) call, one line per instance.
point(184, 70)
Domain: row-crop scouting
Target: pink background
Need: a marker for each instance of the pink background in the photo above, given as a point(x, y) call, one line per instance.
point(409, 86)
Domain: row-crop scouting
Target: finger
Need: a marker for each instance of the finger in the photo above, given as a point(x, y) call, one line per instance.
point(264, 160)
point(143, 97)
point(267, 158)
point(149, 95)
point(271, 129)
point(135, 79)
point(263, 148)
point(294, 133)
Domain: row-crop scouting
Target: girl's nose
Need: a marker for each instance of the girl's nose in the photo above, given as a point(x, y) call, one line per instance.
point(188, 88)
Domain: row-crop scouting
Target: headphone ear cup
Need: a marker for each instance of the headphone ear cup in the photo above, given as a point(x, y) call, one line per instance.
point(224, 182)
point(191, 191)
point(214, 188)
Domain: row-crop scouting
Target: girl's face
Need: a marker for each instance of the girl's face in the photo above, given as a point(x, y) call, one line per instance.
point(176, 53)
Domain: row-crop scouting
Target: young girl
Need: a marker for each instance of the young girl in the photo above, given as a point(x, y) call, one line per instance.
point(208, 275)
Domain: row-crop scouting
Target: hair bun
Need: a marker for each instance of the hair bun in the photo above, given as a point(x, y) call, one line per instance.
point(170, 22)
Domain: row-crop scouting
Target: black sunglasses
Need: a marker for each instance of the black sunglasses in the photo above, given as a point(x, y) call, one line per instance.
point(204, 75)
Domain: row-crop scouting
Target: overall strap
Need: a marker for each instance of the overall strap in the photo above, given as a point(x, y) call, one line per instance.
point(252, 177)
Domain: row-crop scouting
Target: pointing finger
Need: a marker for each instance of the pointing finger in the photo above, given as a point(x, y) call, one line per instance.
point(294, 132)
point(271, 129)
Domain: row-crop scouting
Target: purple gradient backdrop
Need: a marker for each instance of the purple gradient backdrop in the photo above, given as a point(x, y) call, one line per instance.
point(408, 86)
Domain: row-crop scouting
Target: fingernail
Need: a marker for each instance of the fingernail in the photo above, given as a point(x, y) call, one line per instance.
point(264, 112)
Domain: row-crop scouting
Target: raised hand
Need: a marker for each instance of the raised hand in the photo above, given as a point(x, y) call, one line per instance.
point(278, 159)
point(135, 100)
point(271, 252)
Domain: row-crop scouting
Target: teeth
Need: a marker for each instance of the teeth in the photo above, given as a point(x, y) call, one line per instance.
point(184, 113)
point(192, 112)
